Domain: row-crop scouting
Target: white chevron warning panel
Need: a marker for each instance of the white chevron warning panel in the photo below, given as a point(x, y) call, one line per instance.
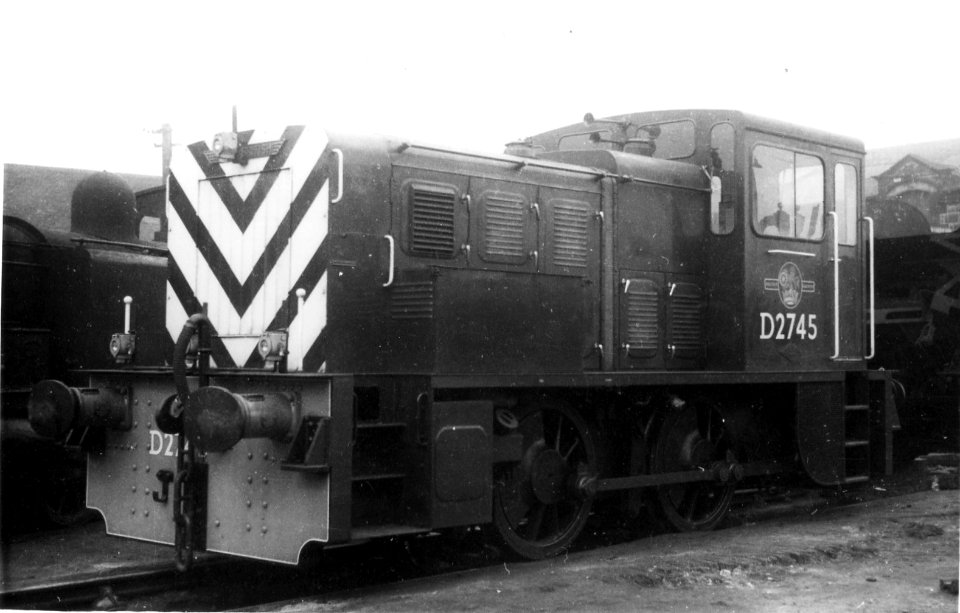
point(244, 237)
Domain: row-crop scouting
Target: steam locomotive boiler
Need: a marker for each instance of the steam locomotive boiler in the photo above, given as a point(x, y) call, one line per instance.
point(378, 337)
point(63, 295)
point(918, 325)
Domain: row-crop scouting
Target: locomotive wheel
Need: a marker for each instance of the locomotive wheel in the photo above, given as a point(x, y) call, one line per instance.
point(541, 504)
point(692, 438)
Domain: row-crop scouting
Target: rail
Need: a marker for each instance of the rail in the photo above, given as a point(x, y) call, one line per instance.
point(344, 574)
point(90, 590)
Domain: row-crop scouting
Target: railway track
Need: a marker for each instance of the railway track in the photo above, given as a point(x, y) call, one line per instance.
point(106, 591)
point(220, 583)
point(217, 583)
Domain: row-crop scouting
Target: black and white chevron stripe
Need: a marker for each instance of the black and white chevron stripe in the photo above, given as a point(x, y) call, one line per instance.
point(243, 239)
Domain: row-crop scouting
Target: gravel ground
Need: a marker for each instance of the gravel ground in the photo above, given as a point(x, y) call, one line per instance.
point(883, 554)
point(881, 547)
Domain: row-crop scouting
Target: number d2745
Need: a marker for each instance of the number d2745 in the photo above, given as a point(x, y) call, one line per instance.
point(786, 326)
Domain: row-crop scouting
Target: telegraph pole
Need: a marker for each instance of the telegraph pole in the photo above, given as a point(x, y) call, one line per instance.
point(166, 144)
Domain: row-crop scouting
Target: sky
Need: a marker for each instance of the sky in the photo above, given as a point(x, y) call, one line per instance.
point(86, 85)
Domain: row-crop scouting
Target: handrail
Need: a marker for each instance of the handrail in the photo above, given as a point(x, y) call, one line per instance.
point(836, 286)
point(339, 155)
point(520, 164)
point(301, 349)
point(802, 254)
point(392, 248)
point(873, 318)
point(127, 301)
point(148, 249)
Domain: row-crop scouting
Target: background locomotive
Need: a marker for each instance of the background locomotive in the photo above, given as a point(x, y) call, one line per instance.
point(918, 325)
point(62, 296)
point(386, 338)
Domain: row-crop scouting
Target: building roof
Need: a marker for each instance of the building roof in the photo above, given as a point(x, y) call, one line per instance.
point(935, 154)
point(41, 194)
point(913, 161)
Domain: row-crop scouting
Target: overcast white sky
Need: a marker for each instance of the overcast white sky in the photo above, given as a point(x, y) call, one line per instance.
point(84, 83)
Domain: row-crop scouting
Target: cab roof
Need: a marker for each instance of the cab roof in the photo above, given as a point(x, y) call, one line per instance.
point(739, 119)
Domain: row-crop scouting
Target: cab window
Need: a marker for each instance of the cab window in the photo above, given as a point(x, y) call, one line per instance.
point(723, 182)
point(787, 191)
point(577, 141)
point(672, 140)
point(845, 197)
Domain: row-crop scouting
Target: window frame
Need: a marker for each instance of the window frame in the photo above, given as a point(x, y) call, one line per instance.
point(718, 189)
point(693, 141)
point(754, 198)
point(847, 220)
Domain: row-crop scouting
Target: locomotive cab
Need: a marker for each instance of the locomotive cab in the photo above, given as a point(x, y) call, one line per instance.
point(788, 270)
point(807, 246)
point(787, 244)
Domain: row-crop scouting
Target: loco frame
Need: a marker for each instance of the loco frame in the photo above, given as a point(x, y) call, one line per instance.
point(388, 338)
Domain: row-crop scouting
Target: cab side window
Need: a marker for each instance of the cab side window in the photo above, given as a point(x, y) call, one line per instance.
point(787, 188)
point(672, 140)
point(845, 197)
point(723, 180)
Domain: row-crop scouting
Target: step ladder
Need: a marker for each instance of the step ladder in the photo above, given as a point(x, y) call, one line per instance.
point(856, 453)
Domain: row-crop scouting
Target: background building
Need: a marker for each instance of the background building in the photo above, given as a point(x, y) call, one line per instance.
point(925, 176)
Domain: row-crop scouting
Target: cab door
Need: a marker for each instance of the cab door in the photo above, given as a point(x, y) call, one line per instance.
point(787, 281)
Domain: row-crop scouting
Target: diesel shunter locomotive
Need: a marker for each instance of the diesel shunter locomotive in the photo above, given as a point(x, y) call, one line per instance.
point(378, 337)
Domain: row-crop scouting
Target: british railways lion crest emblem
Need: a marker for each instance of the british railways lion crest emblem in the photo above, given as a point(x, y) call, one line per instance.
point(790, 285)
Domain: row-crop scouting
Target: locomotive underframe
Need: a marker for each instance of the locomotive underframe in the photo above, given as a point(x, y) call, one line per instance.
point(400, 454)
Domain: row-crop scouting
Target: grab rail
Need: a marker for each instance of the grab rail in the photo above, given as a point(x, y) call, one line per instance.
point(301, 348)
point(836, 286)
point(873, 317)
point(390, 272)
point(339, 155)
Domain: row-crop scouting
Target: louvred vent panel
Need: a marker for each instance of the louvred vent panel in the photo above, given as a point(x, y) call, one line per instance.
point(503, 230)
point(431, 223)
point(570, 234)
